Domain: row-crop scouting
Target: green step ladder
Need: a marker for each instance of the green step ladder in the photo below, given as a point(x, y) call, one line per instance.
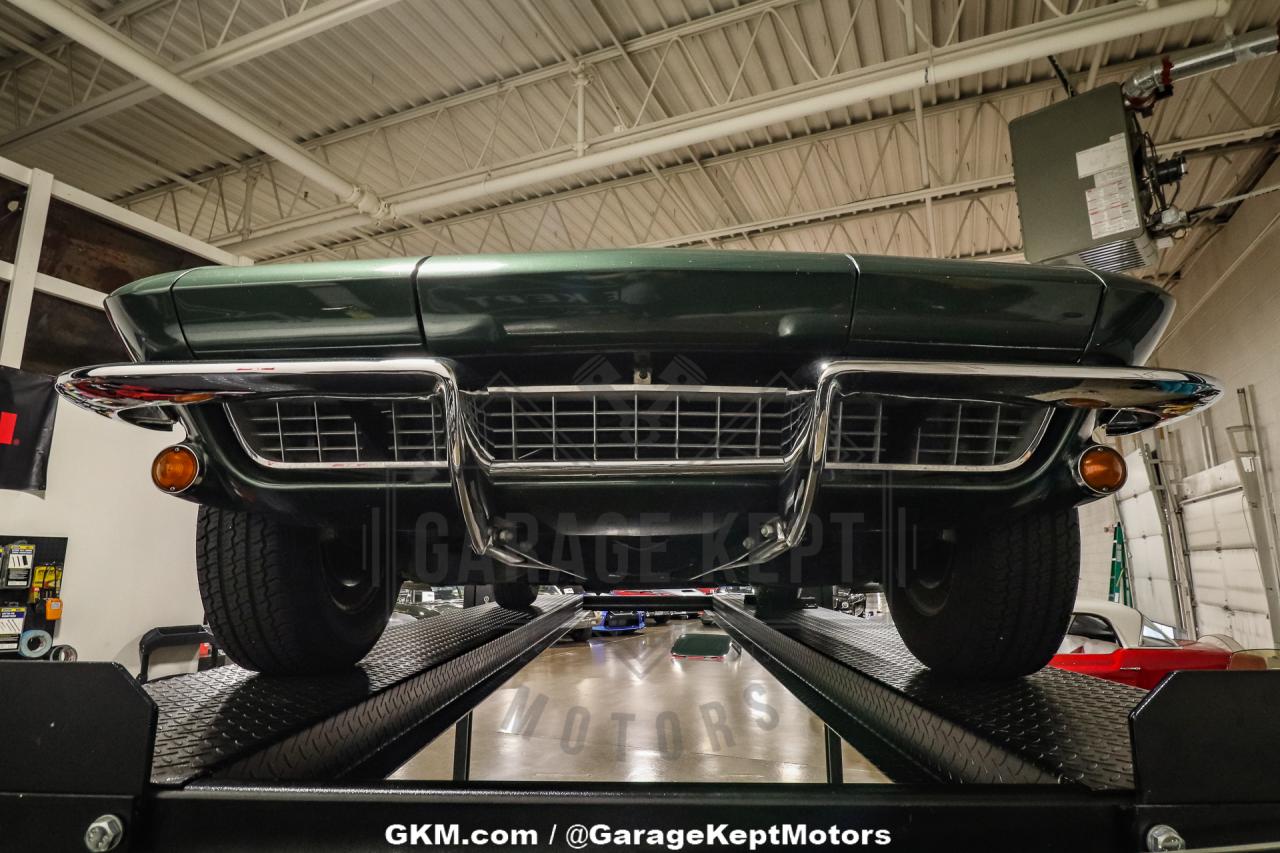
point(1119, 590)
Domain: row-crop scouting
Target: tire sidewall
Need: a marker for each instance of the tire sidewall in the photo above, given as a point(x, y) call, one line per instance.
point(963, 633)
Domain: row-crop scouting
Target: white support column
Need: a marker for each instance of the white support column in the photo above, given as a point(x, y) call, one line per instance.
point(922, 142)
point(71, 292)
point(35, 210)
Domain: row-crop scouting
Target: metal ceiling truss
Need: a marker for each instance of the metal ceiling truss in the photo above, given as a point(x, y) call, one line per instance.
point(837, 163)
point(60, 85)
point(636, 202)
point(609, 92)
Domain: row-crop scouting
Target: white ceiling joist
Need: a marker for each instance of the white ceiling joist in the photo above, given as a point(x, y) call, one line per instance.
point(993, 99)
point(49, 46)
point(877, 205)
point(264, 40)
point(706, 23)
point(928, 194)
point(976, 56)
point(105, 41)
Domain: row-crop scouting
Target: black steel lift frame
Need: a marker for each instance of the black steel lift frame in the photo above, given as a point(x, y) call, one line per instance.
point(227, 760)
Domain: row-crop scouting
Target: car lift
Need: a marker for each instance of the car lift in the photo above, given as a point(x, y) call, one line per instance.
point(228, 760)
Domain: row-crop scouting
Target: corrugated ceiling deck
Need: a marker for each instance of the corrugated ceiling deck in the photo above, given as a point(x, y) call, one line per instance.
point(417, 91)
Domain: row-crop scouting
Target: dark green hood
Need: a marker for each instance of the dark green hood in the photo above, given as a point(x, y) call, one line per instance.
point(618, 300)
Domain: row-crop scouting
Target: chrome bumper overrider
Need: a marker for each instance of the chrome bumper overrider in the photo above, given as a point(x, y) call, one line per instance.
point(1131, 399)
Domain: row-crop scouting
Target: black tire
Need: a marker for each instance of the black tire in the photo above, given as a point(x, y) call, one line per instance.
point(580, 635)
point(288, 600)
point(773, 601)
point(515, 596)
point(997, 604)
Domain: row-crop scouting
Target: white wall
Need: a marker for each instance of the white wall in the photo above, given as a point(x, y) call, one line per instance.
point(1227, 324)
point(1234, 334)
point(130, 554)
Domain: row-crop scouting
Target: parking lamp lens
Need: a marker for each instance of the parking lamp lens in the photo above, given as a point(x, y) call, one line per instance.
point(175, 469)
point(1102, 469)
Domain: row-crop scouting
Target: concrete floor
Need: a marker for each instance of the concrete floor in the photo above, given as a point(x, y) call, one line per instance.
point(620, 709)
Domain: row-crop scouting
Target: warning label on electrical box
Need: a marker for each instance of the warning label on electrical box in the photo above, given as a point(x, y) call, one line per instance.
point(1111, 203)
point(1112, 207)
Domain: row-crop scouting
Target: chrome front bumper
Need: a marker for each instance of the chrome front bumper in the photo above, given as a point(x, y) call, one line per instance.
point(1128, 399)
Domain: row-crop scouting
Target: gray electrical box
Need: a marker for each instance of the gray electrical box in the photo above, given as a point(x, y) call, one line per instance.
point(1079, 194)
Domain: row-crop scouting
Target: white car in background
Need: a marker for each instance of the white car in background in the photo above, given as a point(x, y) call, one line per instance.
point(1109, 640)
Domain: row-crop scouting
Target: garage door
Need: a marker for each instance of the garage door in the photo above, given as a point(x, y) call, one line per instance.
point(1229, 596)
point(1150, 560)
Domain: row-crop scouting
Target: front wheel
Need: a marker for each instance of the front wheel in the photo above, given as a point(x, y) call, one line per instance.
point(289, 600)
point(995, 603)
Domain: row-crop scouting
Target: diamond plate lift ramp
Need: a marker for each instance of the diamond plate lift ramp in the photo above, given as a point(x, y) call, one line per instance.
point(227, 760)
point(1052, 727)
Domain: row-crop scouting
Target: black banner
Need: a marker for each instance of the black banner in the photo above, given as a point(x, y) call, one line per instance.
point(28, 404)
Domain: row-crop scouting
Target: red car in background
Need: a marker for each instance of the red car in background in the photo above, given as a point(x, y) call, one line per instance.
point(1112, 641)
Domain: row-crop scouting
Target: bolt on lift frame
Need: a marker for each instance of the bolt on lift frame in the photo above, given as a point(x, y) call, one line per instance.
point(226, 759)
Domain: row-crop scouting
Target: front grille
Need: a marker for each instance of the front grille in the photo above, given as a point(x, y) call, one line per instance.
point(883, 432)
point(638, 424)
point(631, 425)
point(329, 431)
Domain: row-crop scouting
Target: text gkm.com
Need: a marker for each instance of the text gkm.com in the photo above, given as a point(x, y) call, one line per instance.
point(599, 836)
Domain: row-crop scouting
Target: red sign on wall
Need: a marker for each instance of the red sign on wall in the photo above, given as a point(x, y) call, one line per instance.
point(27, 407)
point(8, 424)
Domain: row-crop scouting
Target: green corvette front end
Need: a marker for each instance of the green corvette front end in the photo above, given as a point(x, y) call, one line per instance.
point(640, 418)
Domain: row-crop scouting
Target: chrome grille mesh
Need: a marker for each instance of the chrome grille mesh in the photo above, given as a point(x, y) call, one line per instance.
point(637, 424)
point(881, 432)
point(333, 431)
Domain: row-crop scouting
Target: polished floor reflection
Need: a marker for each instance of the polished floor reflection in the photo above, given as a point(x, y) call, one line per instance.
point(621, 709)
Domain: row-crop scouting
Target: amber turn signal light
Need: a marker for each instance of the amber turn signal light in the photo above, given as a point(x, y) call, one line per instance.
point(175, 469)
point(1101, 469)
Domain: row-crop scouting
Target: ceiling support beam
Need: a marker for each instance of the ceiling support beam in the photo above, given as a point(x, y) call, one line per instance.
point(928, 195)
point(50, 45)
point(924, 197)
point(619, 50)
point(104, 41)
point(694, 163)
point(976, 56)
point(580, 85)
point(922, 141)
point(261, 41)
point(1209, 144)
point(703, 165)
